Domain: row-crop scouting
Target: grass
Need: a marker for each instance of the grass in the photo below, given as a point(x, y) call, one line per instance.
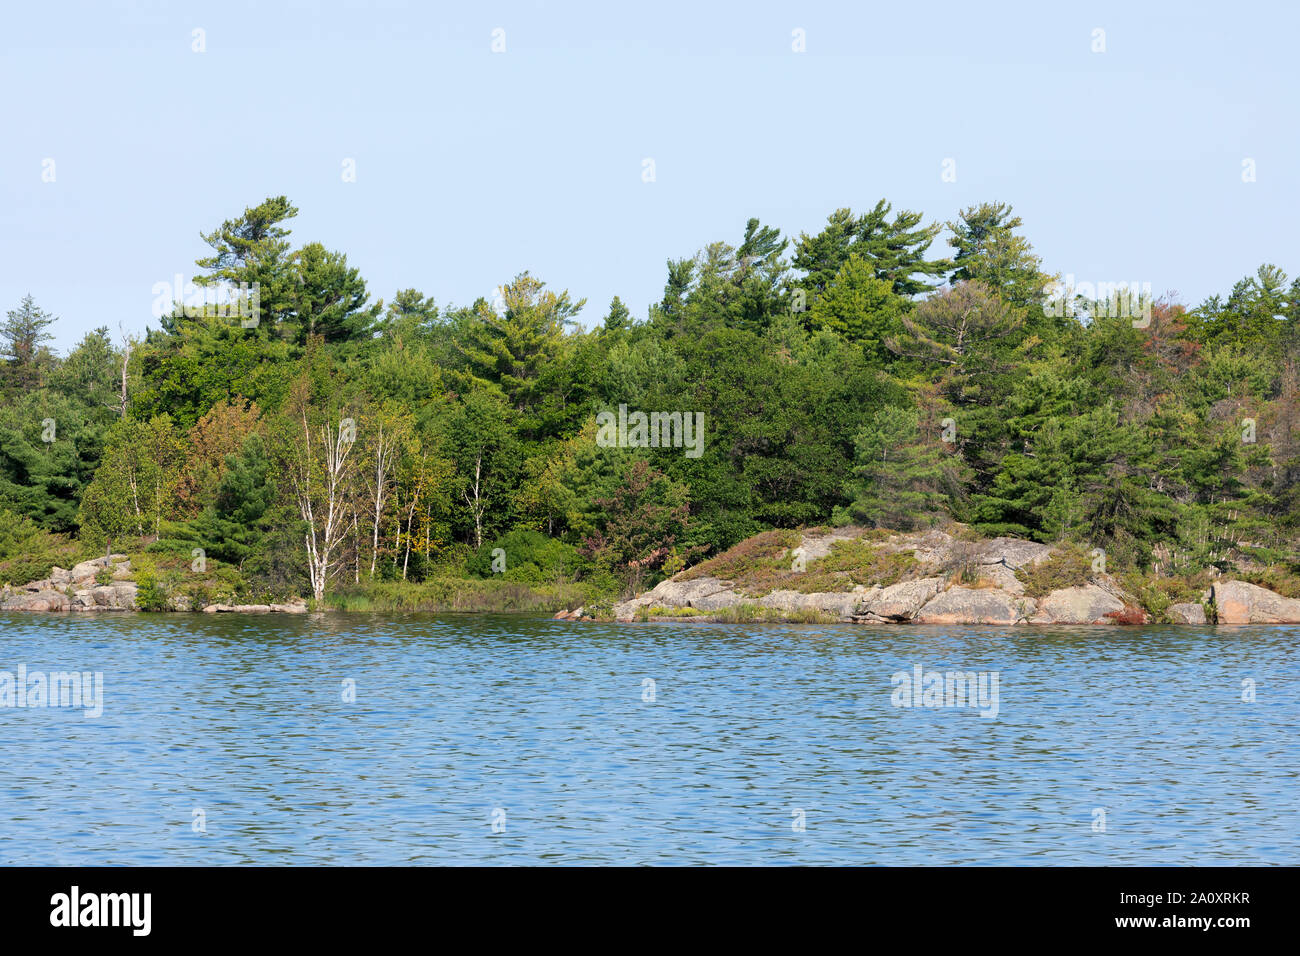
point(1069, 566)
point(482, 595)
point(851, 563)
point(762, 555)
point(764, 563)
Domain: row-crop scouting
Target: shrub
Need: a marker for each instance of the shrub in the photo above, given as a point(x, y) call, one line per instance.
point(530, 558)
point(28, 552)
point(1129, 614)
point(149, 595)
point(1069, 566)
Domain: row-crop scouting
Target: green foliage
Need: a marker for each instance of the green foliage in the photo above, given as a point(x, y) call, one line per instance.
point(530, 557)
point(833, 382)
point(861, 308)
point(1069, 566)
point(27, 551)
point(901, 474)
point(150, 593)
point(22, 343)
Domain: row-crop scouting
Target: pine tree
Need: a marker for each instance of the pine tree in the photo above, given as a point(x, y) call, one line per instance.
point(23, 335)
point(253, 248)
point(899, 478)
point(989, 251)
point(861, 308)
point(508, 351)
point(895, 250)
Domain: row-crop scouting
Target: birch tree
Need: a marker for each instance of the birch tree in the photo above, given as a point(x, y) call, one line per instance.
point(319, 470)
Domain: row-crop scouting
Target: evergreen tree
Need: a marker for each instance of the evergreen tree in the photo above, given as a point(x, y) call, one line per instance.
point(900, 476)
point(22, 339)
point(861, 308)
point(895, 250)
point(990, 251)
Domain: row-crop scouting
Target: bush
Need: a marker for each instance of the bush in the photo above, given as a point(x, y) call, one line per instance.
point(28, 552)
point(530, 558)
point(1068, 567)
point(149, 595)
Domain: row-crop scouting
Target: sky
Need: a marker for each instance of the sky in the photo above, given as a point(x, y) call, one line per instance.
point(120, 142)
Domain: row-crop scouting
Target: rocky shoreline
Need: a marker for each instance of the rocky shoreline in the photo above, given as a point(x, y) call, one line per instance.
point(935, 595)
point(106, 584)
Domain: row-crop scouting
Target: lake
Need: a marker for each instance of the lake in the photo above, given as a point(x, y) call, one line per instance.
point(230, 739)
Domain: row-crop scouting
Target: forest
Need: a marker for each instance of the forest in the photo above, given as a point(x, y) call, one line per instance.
point(885, 371)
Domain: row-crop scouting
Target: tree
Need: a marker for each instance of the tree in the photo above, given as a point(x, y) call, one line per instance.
point(509, 351)
point(134, 486)
point(960, 330)
point(411, 314)
point(22, 338)
point(330, 297)
point(643, 517)
point(618, 319)
point(387, 434)
point(254, 248)
point(220, 433)
point(895, 250)
point(900, 477)
point(989, 251)
point(317, 447)
point(232, 526)
point(860, 307)
point(478, 438)
point(725, 286)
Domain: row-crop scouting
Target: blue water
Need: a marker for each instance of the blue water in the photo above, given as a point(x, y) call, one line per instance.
point(541, 727)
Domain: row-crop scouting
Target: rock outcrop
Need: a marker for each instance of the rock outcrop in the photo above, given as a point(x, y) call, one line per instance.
point(960, 605)
point(77, 588)
point(1088, 604)
point(1186, 613)
point(954, 580)
point(297, 607)
point(900, 602)
point(1237, 602)
point(841, 605)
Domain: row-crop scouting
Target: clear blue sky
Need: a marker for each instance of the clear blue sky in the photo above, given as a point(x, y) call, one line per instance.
point(472, 166)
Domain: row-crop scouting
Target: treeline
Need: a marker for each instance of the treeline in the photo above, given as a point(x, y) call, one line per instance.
point(852, 375)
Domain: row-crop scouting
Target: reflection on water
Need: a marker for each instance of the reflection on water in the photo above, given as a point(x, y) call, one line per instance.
point(456, 717)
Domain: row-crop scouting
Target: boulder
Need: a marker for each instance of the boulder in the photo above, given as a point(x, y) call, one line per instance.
point(900, 602)
point(1003, 577)
point(85, 571)
point(1079, 605)
point(691, 593)
point(1186, 613)
point(114, 597)
point(1240, 603)
point(975, 606)
point(1013, 553)
point(627, 610)
point(704, 594)
point(46, 600)
point(841, 604)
